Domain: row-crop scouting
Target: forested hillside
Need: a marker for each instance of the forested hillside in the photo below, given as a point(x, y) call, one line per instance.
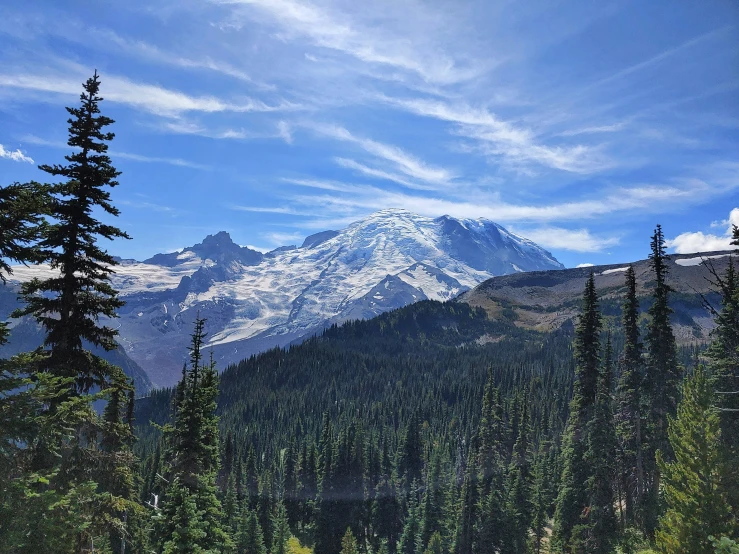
point(432, 429)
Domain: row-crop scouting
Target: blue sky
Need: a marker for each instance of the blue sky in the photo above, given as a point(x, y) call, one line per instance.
point(577, 124)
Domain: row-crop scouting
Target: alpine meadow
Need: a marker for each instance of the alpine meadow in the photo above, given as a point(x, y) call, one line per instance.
point(414, 378)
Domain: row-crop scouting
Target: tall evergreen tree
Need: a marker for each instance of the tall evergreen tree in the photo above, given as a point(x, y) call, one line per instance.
point(600, 456)
point(192, 451)
point(69, 305)
point(21, 224)
point(662, 372)
point(572, 501)
point(629, 412)
point(697, 507)
point(249, 538)
point(724, 356)
point(518, 505)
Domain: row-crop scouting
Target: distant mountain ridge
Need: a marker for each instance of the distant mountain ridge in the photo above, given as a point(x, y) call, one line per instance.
point(254, 301)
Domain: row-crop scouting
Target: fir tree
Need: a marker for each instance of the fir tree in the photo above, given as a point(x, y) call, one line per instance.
point(435, 544)
point(724, 356)
point(629, 426)
point(572, 500)
point(518, 506)
point(192, 448)
point(69, 305)
point(600, 457)
point(188, 529)
point(249, 538)
point(280, 529)
point(410, 537)
point(697, 507)
point(662, 373)
point(349, 543)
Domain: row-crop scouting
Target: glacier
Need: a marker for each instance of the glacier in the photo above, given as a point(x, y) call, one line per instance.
point(256, 301)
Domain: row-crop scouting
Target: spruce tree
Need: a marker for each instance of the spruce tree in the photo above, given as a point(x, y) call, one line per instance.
point(518, 505)
point(349, 543)
point(69, 306)
point(572, 500)
point(662, 372)
point(697, 507)
point(600, 456)
point(629, 412)
point(249, 538)
point(280, 529)
point(21, 224)
point(724, 357)
point(192, 450)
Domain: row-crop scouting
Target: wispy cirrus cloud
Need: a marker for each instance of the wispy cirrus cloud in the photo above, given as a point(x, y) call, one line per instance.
point(331, 28)
point(511, 143)
point(33, 139)
point(150, 98)
point(14, 155)
point(411, 166)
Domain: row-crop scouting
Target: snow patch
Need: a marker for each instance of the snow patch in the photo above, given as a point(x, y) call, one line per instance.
point(688, 262)
point(615, 270)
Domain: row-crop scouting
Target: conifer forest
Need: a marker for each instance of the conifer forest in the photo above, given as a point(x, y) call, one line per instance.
point(401, 434)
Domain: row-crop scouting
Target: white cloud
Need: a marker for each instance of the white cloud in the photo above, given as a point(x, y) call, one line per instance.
point(266, 210)
point(579, 240)
point(154, 159)
point(401, 160)
point(689, 243)
point(33, 139)
point(151, 98)
point(377, 41)
point(15, 155)
point(516, 145)
point(282, 239)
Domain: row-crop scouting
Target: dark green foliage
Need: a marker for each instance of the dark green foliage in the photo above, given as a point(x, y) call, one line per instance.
point(662, 376)
point(629, 411)
point(69, 305)
point(697, 507)
point(573, 500)
point(250, 539)
point(601, 457)
point(724, 357)
point(191, 457)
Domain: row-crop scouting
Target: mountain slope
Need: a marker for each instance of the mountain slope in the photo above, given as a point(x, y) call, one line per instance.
point(547, 300)
point(254, 301)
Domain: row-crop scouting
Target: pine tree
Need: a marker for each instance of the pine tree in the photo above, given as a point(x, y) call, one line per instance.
point(249, 538)
point(697, 507)
point(465, 536)
point(602, 523)
point(21, 224)
point(662, 373)
point(491, 459)
point(69, 305)
point(540, 505)
point(349, 543)
point(188, 528)
point(432, 512)
point(629, 426)
point(724, 356)
point(409, 538)
point(192, 449)
point(572, 500)
point(518, 505)
point(435, 544)
point(280, 529)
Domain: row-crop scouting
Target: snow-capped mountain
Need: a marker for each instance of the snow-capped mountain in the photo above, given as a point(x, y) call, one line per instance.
point(255, 301)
